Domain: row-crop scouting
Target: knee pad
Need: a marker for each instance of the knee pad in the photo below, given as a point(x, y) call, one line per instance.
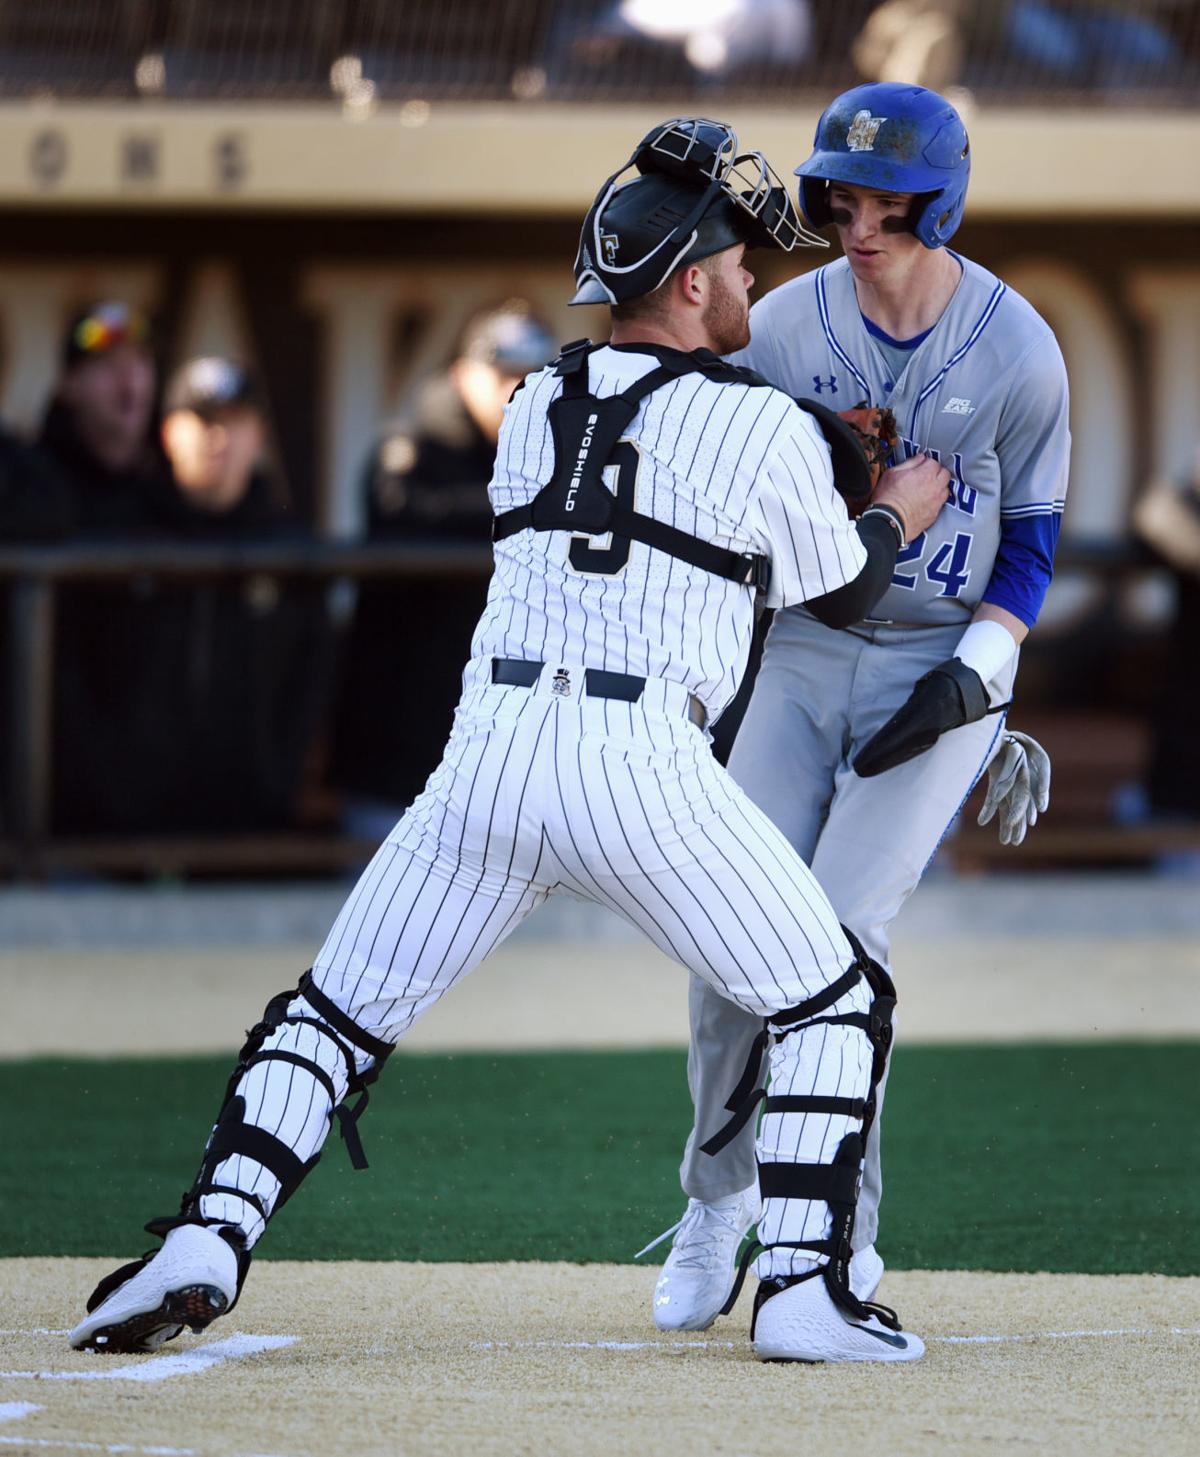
point(232, 1135)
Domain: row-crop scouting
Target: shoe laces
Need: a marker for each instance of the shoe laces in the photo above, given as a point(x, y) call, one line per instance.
point(702, 1234)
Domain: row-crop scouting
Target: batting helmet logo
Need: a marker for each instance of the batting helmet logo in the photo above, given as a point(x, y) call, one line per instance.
point(609, 242)
point(863, 130)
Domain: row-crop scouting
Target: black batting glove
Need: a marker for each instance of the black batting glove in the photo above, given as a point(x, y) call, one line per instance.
point(947, 697)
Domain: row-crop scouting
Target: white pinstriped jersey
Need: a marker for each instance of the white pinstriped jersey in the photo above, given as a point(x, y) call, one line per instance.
point(544, 789)
point(737, 465)
point(985, 393)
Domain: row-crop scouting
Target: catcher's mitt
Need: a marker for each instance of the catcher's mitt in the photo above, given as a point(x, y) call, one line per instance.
point(876, 430)
point(861, 442)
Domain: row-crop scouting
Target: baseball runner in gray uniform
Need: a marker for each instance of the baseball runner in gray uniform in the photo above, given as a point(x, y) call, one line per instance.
point(861, 771)
point(645, 492)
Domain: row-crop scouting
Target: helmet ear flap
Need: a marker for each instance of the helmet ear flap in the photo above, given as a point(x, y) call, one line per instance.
point(814, 201)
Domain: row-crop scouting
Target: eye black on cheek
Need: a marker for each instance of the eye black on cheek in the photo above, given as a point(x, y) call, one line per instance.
point(841, 216)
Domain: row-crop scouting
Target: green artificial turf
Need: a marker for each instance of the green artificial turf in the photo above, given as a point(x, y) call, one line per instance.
point(1000, 1158)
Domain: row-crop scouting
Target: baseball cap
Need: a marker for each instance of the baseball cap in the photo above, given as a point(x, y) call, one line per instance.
point(94, 331)
point(509, 338)
point(209, 384)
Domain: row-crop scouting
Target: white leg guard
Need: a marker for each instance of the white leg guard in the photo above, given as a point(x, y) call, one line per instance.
point(827, 1058)
point(298, 1066)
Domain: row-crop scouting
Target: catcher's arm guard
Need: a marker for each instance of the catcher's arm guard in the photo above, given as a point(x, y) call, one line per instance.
point(945, 698)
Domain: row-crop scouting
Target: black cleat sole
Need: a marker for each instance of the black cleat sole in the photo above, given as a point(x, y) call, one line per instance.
point(194, 1306)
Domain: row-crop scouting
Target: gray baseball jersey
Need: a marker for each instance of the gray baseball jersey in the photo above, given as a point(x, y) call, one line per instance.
point(984, 392)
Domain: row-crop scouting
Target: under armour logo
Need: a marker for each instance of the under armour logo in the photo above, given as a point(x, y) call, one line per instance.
point(610, 243)
point(560, 684)
point(830, 384)
point(861, 136)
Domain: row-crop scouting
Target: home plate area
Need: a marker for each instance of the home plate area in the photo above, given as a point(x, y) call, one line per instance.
point(382, 1358)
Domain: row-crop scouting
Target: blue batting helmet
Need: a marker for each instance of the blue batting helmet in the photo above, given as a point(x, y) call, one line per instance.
point(896, 138)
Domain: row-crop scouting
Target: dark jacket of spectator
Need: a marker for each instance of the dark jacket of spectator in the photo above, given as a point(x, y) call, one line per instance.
point(253, 649)
point(179, 706)
point(258, 665)
point(404, 656)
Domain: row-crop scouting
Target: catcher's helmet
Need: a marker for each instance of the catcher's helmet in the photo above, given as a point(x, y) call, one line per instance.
point(694, 195)
point(897, 138)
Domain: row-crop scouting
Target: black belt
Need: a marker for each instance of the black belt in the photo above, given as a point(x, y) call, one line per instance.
point(597, 683)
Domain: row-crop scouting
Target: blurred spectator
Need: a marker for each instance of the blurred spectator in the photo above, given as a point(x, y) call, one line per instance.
point(96, 473)
point(179, 706)
point(214, 432)
point(97, 467)
point(1102, 43)
point(427, 481)
point(919, 42)
point(254, 649)
point(427, 474)
point(1167, 518)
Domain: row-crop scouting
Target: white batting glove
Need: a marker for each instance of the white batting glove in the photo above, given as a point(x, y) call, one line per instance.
point(1018, 786)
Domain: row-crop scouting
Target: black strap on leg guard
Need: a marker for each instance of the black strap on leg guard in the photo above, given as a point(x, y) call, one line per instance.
point(346, 1027)
point(838, 1185)
point(749, 1078)
point(746, 1097)
point(232, 1135)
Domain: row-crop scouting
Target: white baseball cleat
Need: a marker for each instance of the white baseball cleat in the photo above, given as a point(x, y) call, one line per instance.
point(698, 1275)
point(190, 1281)
point(800, 1322)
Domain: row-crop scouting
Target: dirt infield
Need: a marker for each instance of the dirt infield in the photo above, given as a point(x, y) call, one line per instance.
point(374, 1359)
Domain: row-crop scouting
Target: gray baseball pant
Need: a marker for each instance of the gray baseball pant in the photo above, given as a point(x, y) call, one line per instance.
point(820, 695)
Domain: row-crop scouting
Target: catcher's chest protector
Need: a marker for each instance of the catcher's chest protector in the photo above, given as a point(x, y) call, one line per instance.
point(586, 432)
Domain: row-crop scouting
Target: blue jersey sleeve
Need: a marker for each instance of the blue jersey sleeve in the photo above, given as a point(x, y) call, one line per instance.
point(1024, 563)
point(1033, 447)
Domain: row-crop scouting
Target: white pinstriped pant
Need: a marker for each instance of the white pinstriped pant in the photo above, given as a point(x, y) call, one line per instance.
point(618, 803)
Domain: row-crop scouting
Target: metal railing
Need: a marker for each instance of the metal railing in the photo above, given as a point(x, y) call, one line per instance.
point(32, 578)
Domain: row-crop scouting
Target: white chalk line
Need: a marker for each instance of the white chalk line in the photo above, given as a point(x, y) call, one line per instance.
point(1071, 1335)
point(13, 1411)
point(164, 1368)
point(63, 1445)
point(673, 1347)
